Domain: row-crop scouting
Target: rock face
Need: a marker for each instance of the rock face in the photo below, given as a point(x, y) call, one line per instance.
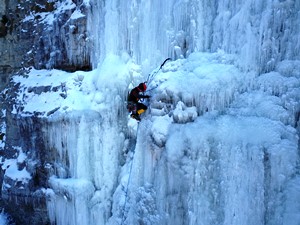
point(25, 193)
point(49, 34)
point(36, 161)
point(42, 34)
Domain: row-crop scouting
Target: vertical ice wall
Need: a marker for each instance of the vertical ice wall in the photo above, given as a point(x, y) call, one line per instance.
point(89, 145)
point(261, 32)
point(203, 177)
point(235, 164)
point(88, 148)
point(148, 31)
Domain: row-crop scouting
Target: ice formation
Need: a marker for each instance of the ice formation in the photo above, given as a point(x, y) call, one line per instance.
point(219, 143)
point(262, 33)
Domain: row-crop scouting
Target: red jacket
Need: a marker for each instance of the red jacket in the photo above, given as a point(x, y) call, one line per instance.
point(135, 95)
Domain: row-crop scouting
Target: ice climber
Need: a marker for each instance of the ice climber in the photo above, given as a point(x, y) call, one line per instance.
point(134, 106)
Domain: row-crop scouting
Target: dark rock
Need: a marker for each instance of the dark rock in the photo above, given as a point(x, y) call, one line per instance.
point(3, 28)
point(40, 89)
point(52, 111)
point(63, 95)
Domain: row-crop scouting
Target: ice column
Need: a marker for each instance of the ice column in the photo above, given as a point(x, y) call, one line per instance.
point(261, 32)
point(148, 31)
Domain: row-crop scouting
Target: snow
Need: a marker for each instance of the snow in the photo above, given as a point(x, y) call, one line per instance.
point(76, 14)
point(214, 138)
point(200, 82)
point(46, 90)
point(65, 5)
point(12, 170)
point(72, 187)
point(62, 84)
point(159, 130)
point(49, 17)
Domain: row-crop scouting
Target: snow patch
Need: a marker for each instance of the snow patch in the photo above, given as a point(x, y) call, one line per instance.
point(12, 167)
point(160, 130)
point(77, 14)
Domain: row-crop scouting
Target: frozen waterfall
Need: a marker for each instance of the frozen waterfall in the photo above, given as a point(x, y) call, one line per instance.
point(262, 33)
point(219, 143)
point(209, 151)
point(213, 148)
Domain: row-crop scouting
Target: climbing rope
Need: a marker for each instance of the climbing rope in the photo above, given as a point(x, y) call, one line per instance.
point(152, 76)
point(149, 80)
point(151, 89)
point(126, 192)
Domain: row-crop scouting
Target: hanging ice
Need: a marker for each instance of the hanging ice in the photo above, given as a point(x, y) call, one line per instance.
point(262, 33)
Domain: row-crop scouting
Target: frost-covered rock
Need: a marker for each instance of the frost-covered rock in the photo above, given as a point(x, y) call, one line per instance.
point(49, 34)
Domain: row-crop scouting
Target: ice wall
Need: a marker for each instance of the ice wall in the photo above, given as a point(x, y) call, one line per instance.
point(177, 179)
point(89, 143)
point(86, 165)
point(261, 32)
point(73, 134)
point(205, 151)
point(218, 145)
point(213, 152)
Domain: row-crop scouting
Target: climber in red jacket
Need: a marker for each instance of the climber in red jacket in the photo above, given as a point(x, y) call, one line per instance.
point(134, 106)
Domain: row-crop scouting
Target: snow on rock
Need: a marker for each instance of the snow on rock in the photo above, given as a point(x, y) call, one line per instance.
point(15, 168)
point(45, 90)
point(77, 14)
point(48, 91)
point(17, 174)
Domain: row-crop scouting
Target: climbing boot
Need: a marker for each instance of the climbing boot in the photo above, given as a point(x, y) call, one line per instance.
point(135, 116)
